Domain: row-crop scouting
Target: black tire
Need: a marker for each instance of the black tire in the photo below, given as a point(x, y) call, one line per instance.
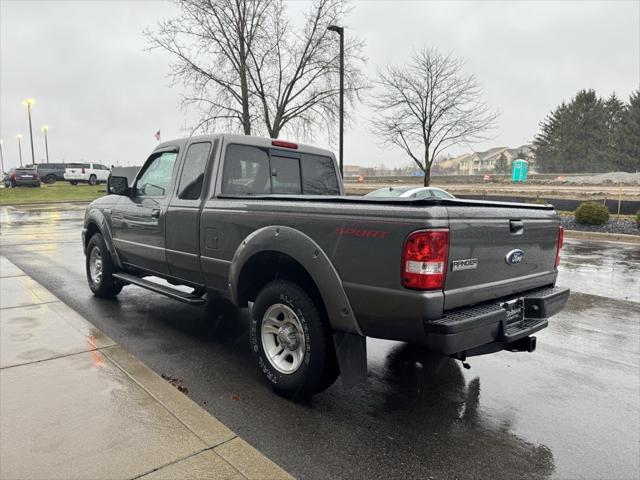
point(13, 184)
point(93, 180)
point(107, 286)
point(50, 179)
point(73, 182)
point(318, 368)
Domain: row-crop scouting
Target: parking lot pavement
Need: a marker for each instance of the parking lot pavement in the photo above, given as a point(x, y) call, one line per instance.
point(75, 404)
point(569, 410)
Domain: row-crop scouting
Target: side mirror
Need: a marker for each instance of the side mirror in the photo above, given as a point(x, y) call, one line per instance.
point(118, 185)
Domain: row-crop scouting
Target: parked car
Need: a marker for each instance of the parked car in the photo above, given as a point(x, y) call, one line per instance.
point(51, 172)
point(91, 173)
point(22, 177)
point(410, 192)
point(266, 224)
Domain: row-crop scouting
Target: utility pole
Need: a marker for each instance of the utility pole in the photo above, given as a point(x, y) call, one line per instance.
point(1, 158)
point(340, 31)
point(28, 102)
point(45, 129)
point(19, 148)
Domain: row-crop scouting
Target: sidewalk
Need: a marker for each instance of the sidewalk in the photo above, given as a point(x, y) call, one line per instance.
point(75, 405)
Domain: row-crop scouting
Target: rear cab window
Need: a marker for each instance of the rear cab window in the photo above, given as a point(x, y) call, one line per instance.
point(251, 170)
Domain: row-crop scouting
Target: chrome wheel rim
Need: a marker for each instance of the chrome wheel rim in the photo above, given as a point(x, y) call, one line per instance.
point(95, 265)
point(283, 338)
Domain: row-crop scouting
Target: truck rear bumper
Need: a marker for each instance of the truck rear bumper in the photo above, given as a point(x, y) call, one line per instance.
point(502, 323)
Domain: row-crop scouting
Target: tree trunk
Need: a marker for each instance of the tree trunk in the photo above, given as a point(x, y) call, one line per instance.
point(244, 91)
point(427, 178)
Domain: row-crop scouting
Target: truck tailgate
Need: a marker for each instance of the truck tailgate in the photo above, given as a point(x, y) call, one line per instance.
point(495, 252)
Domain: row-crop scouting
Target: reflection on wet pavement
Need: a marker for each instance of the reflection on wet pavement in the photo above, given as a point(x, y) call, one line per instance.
point(571, 409)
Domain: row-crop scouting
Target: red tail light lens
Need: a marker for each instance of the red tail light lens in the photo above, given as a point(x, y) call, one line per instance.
point(82, 169)
point(560, 243)
point(424, 260)
point(282, 143)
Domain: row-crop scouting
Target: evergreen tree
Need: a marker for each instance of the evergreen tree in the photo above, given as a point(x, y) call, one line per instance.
point(615, 111)
point(629, 138)
point(589, 134)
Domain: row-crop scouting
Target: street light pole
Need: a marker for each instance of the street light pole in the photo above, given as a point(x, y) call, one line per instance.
point(19, 148)
point(1, 158)
point(45, 129)
point(340, 31)
point(28, 102)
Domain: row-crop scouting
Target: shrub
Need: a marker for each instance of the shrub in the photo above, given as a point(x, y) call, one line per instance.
point(592, 214)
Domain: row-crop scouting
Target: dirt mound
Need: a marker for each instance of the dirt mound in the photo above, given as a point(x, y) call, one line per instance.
point(605, 178)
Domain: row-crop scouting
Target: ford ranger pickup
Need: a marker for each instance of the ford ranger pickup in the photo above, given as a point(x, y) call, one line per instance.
point(266, 224)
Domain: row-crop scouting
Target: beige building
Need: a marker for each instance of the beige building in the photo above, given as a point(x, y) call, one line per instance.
point(485, 162)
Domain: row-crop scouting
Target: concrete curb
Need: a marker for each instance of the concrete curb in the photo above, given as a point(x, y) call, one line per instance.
point(602, 237)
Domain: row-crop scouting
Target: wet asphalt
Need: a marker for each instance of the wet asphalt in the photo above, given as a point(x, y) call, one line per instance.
point(569, 410)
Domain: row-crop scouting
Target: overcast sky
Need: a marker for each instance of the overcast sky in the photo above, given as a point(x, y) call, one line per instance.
point(104, 97)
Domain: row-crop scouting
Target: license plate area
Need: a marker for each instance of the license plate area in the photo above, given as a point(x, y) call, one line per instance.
point(514, 310)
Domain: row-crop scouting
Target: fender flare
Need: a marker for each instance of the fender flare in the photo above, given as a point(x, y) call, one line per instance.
point(306, 252)
point(98, 218)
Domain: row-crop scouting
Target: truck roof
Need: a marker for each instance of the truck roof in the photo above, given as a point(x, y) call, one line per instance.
point(244, 140)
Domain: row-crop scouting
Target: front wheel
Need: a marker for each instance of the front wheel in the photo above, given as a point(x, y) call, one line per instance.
point(100, 267)
point(93, 180)
point(50, 179)
point(291, 341)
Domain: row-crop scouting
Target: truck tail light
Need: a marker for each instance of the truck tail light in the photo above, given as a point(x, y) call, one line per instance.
point(560, 243)
point(282, 143)
point(424, 259)
point(82, 169)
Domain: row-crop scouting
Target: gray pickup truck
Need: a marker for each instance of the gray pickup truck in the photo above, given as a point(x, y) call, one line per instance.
point(266, 224)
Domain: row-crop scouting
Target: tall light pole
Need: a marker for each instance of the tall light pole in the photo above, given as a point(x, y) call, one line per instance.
point(45, 129)
point(28, 102)
point(1, 158)
point(19, 137)
point(340, 31)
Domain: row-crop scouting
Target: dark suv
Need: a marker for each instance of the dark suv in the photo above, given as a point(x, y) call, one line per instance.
point(22, 177)
point(51, 172)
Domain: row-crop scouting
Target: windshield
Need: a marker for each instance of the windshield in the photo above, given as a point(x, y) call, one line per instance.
point(388, 192)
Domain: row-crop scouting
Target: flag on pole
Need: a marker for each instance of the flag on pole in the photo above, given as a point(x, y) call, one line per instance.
point(157, 135)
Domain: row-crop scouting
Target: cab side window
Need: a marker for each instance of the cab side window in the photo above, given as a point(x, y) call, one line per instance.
point(246, 171)
point(192, 176)
point(155, 181)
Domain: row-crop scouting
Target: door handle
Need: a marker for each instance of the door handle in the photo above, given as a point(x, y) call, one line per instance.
point(155, 213)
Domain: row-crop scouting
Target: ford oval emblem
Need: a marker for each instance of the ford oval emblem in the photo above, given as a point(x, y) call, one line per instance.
point(514, 256)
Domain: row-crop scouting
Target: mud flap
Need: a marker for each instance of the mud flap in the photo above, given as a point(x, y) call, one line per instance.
point(351, 351)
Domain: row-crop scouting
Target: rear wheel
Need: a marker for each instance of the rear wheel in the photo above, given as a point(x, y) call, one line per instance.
point(50, 179)
point(291, 341)
point(73, 182)
point(100, 267)
point(93, 180)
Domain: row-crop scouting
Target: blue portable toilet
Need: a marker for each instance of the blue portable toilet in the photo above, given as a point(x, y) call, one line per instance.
point(519, 170)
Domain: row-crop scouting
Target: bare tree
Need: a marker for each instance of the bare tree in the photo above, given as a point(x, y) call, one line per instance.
point(245, 66)
point(210, 41)
point(295, 73)
point(429, 105)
